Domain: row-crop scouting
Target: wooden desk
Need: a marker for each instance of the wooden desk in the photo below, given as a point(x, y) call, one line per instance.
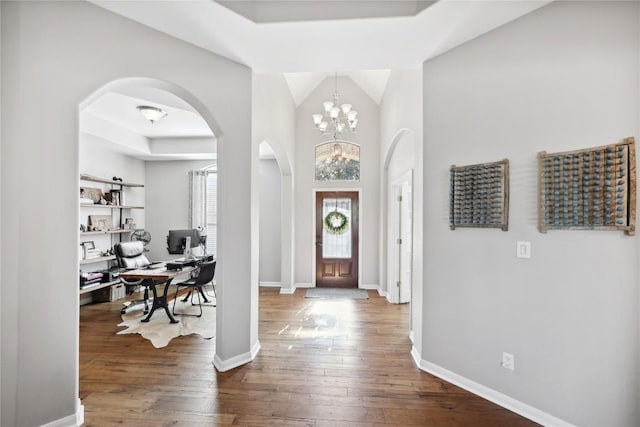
point(153, 277)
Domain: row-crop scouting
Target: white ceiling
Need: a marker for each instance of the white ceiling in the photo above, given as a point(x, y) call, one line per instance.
point(308, 40)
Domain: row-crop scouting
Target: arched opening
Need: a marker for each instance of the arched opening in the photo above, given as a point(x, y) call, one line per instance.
point(276, 217)
point(397, 218)
point(158, 155)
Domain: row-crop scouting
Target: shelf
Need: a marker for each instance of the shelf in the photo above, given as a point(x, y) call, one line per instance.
point(88, 233)
point(111, 206)
point(85, 177)
point(96, 286)
point(98, 259)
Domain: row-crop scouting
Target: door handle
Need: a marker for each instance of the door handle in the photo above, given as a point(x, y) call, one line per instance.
point(318, 243)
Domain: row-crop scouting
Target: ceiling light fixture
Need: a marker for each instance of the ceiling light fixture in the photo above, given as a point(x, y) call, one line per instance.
point(337, 119)
point(153, 114)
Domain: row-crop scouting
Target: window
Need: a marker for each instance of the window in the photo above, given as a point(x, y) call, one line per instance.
point(338, 161)
point(203, 209)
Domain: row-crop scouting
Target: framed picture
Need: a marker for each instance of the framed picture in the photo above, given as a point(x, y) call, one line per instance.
point(88, 245)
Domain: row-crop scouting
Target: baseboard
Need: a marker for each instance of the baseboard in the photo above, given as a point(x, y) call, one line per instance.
point(287, 291)
point(74, 420)
point(527, 411)
point(270, 284)
point(411, 337)
point(303, 285)
point(239, 360)
point(369, 287)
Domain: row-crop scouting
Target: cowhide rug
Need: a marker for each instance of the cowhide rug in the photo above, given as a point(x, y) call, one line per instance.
point(160, 332)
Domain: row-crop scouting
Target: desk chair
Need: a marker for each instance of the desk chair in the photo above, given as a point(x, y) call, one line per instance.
point(130, 255)
point(205, 276)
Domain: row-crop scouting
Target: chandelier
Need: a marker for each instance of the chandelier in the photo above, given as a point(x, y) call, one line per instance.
point(337, 119)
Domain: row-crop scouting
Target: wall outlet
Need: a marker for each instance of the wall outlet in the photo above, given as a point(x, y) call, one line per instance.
point(508, 361)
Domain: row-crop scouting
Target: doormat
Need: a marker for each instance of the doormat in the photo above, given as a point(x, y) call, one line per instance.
point(333, 293)
point(160, 332)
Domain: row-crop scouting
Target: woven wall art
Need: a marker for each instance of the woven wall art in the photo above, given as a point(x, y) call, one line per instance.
point(588, 189)
point(480, 195)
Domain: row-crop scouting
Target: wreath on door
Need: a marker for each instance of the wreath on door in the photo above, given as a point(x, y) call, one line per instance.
point(336, 222)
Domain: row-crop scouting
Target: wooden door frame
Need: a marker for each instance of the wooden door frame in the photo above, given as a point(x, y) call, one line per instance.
point(314, 193)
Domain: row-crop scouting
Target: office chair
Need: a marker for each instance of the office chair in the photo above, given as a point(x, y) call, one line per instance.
point(207, 271)
point(130, 255)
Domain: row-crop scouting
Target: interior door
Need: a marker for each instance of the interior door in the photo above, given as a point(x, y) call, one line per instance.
point(337, 239)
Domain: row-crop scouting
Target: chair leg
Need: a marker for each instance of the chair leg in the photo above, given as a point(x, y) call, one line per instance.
point(192, 290)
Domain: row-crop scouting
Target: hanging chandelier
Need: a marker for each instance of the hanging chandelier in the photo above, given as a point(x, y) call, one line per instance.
point(337, 119)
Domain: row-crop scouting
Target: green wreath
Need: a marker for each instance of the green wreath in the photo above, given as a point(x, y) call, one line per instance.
point(336, 222)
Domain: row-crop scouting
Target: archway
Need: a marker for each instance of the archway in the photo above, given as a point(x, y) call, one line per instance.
point(396, 178)
point(271, 148)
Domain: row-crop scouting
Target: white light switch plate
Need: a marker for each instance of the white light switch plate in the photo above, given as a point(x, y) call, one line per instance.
point(523, 249)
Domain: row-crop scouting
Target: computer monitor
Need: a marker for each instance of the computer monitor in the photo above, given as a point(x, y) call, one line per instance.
point(177, 241)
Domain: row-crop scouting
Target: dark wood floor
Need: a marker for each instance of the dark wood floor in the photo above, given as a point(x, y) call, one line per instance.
point(322, 363)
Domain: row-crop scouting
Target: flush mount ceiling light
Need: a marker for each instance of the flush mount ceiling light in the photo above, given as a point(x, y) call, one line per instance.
point(337, 119)
point(153, 114)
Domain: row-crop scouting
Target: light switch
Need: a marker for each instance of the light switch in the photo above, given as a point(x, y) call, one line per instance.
point(523, 249)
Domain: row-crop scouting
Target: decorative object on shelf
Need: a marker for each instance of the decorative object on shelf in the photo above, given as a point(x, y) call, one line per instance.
point(336, 222)
point(588, 189)
point(143, 236)
point(479, 195)
point(336, 119)
point(88, 193)
point(153, 114)
point(101, 222)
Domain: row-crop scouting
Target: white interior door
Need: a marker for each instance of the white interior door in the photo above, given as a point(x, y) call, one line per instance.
point(401, 250)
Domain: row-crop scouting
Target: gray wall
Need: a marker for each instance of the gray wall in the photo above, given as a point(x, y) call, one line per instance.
point(54, 56)
point(564, 77)
point(167, 201)
point(270, 214)
point(273, 122)
point(368, 136)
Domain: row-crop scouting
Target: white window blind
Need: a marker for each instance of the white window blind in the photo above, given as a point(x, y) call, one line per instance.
point(203, 210)
point(212, 211)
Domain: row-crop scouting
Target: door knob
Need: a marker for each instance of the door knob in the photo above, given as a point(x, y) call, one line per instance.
point(318, 243)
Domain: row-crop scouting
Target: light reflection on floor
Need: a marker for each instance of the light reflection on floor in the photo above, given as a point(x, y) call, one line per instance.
point(323, 320)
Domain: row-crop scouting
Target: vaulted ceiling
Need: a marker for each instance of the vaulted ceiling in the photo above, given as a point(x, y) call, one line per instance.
point(308, 40)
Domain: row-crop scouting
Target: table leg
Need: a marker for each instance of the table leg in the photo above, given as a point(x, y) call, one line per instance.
point(160, 301)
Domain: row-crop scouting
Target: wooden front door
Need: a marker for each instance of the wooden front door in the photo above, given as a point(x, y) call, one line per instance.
point(337, 240)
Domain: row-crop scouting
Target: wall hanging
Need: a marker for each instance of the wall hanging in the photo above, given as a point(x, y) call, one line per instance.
point(588, 189)
point(479, 195)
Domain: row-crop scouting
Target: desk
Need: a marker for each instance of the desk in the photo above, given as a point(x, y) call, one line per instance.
point(151, 278)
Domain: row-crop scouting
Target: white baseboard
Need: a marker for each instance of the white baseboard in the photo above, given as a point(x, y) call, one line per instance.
point(303, 285)
point(239, 360)
point(411, 337)
point(270, 284)
point(496, 397)
point(286, 291)
point(369, 286)
point(74, 420)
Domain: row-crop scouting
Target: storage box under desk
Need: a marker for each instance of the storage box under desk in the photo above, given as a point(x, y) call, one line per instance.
point(110, 293)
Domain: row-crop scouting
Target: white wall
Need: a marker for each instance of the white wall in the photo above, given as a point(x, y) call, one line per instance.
point(401, 149)
point(54, 55)
point(167, 201)
point(368, 136)
point(270, 214)
point(564, 77)
point(273, 122)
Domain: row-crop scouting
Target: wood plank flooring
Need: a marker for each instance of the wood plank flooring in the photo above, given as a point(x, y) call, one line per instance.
point(322, 363)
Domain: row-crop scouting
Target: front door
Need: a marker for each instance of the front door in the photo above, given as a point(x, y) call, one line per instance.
point(337, 227)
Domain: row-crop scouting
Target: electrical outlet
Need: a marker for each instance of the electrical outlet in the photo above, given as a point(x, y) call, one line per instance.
point(508, 361)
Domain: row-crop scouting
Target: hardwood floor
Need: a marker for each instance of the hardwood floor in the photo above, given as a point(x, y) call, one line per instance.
point(322, 363)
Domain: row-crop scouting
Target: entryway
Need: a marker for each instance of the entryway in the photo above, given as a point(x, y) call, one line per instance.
point(337, 239)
